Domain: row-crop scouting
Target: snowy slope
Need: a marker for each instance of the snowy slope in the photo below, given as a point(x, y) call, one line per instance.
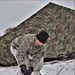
point(60, 68)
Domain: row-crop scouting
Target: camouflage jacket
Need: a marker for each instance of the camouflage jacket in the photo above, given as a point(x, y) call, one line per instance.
point(33, 54)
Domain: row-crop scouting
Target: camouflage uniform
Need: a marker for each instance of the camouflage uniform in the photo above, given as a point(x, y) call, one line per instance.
point(30, 57)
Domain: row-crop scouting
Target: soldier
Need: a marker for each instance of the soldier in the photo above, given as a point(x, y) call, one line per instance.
point(29, 52)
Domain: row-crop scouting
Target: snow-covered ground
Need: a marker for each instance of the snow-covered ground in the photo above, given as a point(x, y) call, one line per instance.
point(51, 68)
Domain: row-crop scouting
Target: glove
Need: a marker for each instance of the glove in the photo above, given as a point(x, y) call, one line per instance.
point(25, 71)
point(23, 68)
point(30, 70)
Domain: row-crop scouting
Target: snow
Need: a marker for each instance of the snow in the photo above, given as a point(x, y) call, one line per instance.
point(60, 68)
point(8, 70)
point(51, 68)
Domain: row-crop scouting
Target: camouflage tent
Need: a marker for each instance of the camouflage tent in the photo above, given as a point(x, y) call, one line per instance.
point(58, 21)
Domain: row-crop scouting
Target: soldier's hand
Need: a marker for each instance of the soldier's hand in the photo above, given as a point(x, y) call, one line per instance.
point(23, 68)
point(30, 70)
point(26, 71)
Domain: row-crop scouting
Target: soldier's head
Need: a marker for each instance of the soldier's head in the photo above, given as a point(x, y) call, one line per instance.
point(41, 38)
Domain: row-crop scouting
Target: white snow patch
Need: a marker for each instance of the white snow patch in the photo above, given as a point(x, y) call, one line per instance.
point(60, 68)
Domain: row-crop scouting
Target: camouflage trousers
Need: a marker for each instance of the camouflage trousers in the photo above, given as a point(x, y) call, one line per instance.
point(37, 68)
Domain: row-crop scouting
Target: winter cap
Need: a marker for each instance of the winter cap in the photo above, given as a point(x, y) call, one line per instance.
point(42, 36)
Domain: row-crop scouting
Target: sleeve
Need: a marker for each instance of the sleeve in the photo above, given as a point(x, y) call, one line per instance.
point(41, 62)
